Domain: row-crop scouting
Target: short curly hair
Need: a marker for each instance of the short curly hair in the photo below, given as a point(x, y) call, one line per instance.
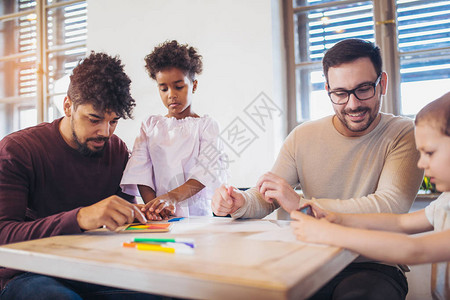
point(172, 54)
point(100, 80)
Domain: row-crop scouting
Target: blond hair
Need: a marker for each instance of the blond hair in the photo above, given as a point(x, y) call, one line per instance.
point(436, 113)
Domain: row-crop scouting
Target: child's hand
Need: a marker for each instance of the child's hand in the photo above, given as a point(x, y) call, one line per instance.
point(160, 208)
point(148, 215)
point(320, 213)
point(308, 229)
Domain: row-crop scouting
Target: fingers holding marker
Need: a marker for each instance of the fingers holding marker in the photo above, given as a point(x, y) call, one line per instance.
point(138, 215)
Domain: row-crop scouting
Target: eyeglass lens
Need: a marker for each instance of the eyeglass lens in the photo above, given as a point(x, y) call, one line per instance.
point(362, 93)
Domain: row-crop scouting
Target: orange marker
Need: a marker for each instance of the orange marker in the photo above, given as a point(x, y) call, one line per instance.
point(129, 245)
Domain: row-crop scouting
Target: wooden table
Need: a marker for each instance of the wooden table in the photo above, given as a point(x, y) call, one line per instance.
point(227, 264)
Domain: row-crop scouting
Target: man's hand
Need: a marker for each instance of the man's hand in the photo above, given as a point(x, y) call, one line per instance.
point(273, 187)
point(111, 212)
point(226, 200)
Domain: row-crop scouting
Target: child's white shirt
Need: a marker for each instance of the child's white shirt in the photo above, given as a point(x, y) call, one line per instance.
point(438, 214)
point(168, 152)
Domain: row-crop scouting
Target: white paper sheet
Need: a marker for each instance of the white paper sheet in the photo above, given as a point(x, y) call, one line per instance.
point(222, 225)
point(282, 234)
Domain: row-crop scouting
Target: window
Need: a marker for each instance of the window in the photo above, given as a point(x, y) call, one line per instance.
point(424, 49)
point(414, 37)
point(41, 42)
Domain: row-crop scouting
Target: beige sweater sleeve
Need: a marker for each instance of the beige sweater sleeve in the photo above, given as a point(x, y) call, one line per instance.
point(255, 206)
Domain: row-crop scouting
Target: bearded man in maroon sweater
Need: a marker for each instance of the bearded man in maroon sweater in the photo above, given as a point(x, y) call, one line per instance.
point(63, 177)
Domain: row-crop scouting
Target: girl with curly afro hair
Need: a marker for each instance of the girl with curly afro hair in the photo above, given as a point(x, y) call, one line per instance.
point(177, 161)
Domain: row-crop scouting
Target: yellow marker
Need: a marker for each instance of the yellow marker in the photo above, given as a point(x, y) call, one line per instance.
point(149, 247)
point(163, 248)
point(139, 226)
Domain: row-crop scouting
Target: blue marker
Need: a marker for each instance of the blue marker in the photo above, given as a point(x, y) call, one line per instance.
point(176, 219)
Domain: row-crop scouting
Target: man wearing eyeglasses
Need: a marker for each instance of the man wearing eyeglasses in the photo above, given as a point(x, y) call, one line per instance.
point(358, 160)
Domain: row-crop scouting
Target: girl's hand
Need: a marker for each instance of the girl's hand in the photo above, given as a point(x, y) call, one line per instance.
point(160, 208)
point(310, 230)
point(149, 215)
point(168, 212)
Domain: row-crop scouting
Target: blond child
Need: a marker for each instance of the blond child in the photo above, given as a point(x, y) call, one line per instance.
point(384, 237)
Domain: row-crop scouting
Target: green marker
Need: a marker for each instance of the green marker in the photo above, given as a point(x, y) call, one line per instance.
point(189, 242)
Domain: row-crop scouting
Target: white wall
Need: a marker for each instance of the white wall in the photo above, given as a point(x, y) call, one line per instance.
point(240, 44)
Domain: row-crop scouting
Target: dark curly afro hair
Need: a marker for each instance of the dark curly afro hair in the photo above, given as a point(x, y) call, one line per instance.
point(172, 54)
point(101, 81)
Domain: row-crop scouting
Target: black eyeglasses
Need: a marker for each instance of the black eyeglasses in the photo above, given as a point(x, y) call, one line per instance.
point(362, 92)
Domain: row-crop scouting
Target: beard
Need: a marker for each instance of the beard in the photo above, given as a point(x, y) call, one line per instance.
point(83, 148)
point(362, 126)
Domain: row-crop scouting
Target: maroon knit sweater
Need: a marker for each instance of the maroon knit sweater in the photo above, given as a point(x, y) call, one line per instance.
point(44, 182)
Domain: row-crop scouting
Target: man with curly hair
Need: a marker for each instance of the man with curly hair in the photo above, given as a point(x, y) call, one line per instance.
point(63, 177)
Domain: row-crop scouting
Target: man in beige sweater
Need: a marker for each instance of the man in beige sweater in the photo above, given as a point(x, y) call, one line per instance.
point(358, 161)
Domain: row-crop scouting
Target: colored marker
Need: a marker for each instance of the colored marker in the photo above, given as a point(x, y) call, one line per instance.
point(148, 226)
point(176, 219)
point(138, 226)
point(188, 242)
point(165, 248)
point(129, 245)
point(133, 244)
